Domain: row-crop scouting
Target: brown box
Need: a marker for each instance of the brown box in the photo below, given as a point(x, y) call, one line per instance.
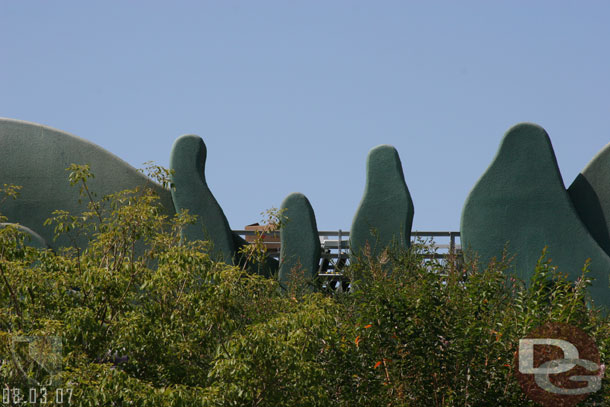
point(272, 243)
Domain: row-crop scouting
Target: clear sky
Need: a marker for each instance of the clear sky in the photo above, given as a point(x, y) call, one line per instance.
point(291, 95)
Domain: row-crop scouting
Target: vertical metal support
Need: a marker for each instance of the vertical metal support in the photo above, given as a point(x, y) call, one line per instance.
point(339, 244)
point(451, 243)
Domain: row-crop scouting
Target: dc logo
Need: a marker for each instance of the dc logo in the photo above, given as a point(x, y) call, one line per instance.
point(558, 365)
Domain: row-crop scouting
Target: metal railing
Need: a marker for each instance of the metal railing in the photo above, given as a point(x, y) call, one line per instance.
point(335, 251)
point(335, 243)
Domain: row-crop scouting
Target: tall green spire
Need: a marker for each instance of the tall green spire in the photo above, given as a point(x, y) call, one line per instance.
point(385, 214)
point(190, 191)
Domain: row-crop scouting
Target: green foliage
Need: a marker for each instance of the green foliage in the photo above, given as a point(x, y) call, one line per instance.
point(254, 255)
point(147, 319)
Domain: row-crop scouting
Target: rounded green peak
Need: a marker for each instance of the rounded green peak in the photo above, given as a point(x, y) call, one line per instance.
point(521, 201)
point(190, 191)
point(300, 244)
point(385, 213)
point(189, 153)
point(383, 162)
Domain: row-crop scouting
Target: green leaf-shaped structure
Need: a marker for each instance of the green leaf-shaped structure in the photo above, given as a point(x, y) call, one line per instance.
point(300, 248)
point(190, 191)
point(521, 201)
point(385, 214)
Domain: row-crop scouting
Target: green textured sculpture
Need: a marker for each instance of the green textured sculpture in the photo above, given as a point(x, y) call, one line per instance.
point(190, 191)
point(35, 157)
point(590, 193)
point(385, 214)
point(521, 201)
point(300, 244)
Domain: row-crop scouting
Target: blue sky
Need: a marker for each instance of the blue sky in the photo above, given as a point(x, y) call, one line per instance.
point(291, 96)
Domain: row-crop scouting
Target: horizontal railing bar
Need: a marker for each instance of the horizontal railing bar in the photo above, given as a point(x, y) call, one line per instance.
point(334, 244)
point(448, 234)
point(346, 233)
point(333, 233)
point(257, 232)
point(345, 256)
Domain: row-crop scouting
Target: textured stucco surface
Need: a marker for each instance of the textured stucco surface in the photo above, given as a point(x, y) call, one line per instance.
point(385, 213)
point(35, 157)
point(190, 191)
point(521, 201)
point(300, 244)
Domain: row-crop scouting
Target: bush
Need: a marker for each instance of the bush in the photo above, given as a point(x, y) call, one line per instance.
point(148, 319)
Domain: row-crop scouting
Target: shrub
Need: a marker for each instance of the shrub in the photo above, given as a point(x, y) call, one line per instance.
point(148, 319)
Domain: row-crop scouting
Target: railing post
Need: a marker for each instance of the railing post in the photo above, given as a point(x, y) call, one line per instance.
point(451, 243)
point(339, 245)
